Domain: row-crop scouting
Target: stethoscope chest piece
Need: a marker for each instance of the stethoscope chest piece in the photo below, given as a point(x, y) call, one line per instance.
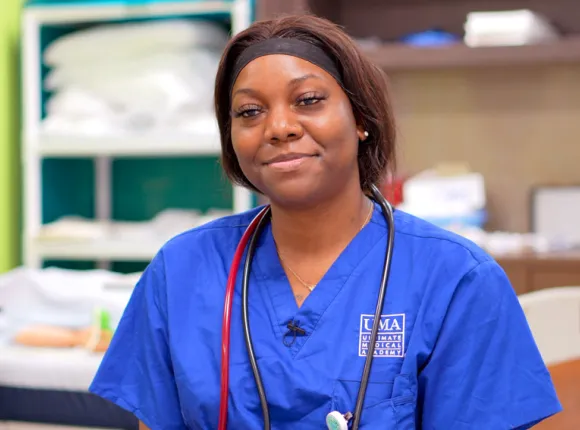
point(336, 421)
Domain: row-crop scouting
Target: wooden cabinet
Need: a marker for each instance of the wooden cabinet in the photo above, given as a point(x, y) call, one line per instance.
point(387, 21)
point(510, 113)
point(531, 272)
point(270, 8)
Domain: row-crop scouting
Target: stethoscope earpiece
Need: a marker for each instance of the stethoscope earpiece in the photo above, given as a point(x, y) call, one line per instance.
point(336, 421)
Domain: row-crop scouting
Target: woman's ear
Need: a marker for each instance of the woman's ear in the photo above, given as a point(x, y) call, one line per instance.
point(360, 128)
point(362, 133)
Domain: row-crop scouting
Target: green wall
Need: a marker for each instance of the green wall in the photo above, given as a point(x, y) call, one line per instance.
point(9, 126)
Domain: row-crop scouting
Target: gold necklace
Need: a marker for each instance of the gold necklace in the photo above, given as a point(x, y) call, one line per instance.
point(302, 281)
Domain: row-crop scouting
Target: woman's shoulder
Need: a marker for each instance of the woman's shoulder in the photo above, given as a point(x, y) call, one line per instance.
point(416, 234)
point(443, 261)
point(221, 234)
point(469, 335)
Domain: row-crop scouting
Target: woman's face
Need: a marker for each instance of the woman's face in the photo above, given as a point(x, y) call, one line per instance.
point(293, 130)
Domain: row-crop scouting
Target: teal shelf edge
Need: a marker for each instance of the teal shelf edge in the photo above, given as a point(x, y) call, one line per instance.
point(92, 3)
point(109, 2)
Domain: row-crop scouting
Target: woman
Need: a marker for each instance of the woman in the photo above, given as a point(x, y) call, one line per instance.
point(305, 120)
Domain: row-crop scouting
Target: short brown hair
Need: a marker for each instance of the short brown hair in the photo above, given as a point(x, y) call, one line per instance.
point(364, 83)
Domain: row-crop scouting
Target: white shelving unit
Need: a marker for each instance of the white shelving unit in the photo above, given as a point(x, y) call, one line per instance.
point(102, 250)
point(50, 145)
point(36, 145)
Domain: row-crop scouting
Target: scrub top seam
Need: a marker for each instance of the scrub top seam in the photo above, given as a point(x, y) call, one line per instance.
point(164, 265)
point(315, 326)
point(401, 222)
point(122, 401)
point(477, 258)
point(212, 227)
point(193, 231)
point(164, 314)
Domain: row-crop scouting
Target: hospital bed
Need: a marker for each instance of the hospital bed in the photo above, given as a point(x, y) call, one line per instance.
point(40, 387)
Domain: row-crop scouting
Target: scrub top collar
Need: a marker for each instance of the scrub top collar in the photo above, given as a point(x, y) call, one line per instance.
point(271, 280)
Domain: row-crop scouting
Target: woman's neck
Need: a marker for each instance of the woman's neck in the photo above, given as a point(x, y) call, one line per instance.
point(320, 229)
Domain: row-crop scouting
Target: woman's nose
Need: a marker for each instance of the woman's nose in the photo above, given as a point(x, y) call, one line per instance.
point(282, 126)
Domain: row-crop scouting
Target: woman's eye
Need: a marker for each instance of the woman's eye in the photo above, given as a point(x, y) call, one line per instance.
point(307, 101)
point(247, 111)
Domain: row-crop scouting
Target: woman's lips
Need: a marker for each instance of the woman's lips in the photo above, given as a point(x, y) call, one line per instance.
point(289, 162)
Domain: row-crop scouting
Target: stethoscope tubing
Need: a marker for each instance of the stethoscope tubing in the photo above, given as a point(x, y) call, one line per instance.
point(227, 317)
point(246, 317)
point(251, 235)
point(389, 218)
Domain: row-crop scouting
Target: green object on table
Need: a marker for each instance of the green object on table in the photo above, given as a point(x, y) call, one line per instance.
point(104, 319)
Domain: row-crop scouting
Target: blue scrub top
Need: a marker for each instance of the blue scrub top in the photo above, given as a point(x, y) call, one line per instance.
point(454, 350)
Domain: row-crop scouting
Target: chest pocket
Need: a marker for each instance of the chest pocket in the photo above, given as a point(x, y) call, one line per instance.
point(387, 405)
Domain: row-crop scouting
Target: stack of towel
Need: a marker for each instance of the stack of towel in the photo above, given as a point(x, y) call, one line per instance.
point(132, 78)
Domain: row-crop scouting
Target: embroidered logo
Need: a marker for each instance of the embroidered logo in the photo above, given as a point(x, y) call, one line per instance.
point(390, 338)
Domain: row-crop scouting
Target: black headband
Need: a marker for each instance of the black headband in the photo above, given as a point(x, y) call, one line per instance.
point(297, 48)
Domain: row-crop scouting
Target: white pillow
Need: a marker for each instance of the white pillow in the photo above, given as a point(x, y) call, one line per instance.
point(87, 75)
point(117, 42)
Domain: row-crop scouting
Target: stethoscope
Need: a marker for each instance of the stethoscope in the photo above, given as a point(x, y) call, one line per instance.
point(334, 420)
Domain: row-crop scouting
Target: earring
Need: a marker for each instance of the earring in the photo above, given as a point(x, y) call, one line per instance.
point(366, 135)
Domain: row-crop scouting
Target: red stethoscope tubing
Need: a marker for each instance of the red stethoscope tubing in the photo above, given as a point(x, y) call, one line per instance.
point(227, 318)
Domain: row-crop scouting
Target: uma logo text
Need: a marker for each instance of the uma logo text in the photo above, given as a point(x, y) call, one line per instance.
point(390, 339)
